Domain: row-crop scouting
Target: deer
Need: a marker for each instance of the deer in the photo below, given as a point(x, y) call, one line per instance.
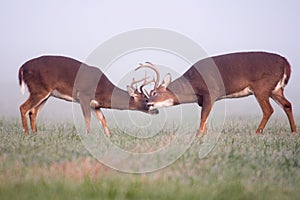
point(71, 80)
point(232, 75)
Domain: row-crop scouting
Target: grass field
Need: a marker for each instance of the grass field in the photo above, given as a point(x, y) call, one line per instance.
point(55, 165)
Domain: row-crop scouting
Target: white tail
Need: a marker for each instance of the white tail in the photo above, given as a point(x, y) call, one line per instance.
point(21, 82)
point(282, 83)
point(23, 87)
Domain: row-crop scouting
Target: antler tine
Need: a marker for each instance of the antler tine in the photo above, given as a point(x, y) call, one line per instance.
point(150, 63)
point(135, 82)
point(146, 83)
point(132, 83)
point(145, 92)
point(154, 68)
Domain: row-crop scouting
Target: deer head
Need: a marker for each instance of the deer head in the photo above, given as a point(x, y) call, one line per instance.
point(139, 98)
point(160, 95)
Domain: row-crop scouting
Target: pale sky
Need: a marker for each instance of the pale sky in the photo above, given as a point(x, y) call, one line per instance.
point(75, 28)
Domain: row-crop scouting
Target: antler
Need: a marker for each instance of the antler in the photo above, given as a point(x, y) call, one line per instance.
point(146, 83)
point(153, 67)
point(135, 82)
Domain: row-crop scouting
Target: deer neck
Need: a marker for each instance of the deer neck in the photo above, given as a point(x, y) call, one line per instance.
point(119, 99)
point(183, 91)
point(109, 95)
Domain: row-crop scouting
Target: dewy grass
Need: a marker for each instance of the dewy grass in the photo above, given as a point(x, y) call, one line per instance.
point(54, 164)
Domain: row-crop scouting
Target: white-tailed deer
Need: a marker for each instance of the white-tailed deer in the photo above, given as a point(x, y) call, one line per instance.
point(71, 80)
point(227, 76)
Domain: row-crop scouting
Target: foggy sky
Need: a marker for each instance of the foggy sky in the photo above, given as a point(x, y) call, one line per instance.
point(75, 28)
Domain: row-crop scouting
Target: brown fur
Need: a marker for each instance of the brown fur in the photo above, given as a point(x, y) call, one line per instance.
point(52, 75)
point(220, 77)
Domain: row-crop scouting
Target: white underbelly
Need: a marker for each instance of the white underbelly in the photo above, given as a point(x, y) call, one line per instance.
point(59, 95)
point(94, 103)
point(243, 93)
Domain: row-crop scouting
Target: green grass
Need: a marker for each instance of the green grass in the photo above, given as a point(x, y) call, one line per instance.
point(55, 165)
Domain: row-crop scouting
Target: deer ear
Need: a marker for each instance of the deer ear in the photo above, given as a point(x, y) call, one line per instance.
point(167, 80)
point(131, 91)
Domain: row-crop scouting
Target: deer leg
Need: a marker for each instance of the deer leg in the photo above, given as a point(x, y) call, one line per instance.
point(33, 114)
point(86, 110)
point(267, 112)
point(28, 106)
point(279, 98)
point(206, 108)
point(24, 112)
point(102, 119)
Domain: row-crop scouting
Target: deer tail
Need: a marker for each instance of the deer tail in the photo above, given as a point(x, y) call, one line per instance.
point(287, 71)
point(21, 81)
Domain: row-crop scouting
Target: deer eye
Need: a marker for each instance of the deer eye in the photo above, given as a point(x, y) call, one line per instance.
point(154, 93)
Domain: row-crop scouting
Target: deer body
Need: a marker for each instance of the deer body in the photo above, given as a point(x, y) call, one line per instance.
point(71, 80)
point(235, 75)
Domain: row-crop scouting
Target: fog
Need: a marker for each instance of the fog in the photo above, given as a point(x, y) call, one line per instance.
point(75, 28)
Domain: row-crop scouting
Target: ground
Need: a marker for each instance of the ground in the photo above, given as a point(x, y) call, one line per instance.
point(54, 164)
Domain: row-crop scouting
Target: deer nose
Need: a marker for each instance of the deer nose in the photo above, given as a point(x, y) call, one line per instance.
point(149, 104)
point(154, 112)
